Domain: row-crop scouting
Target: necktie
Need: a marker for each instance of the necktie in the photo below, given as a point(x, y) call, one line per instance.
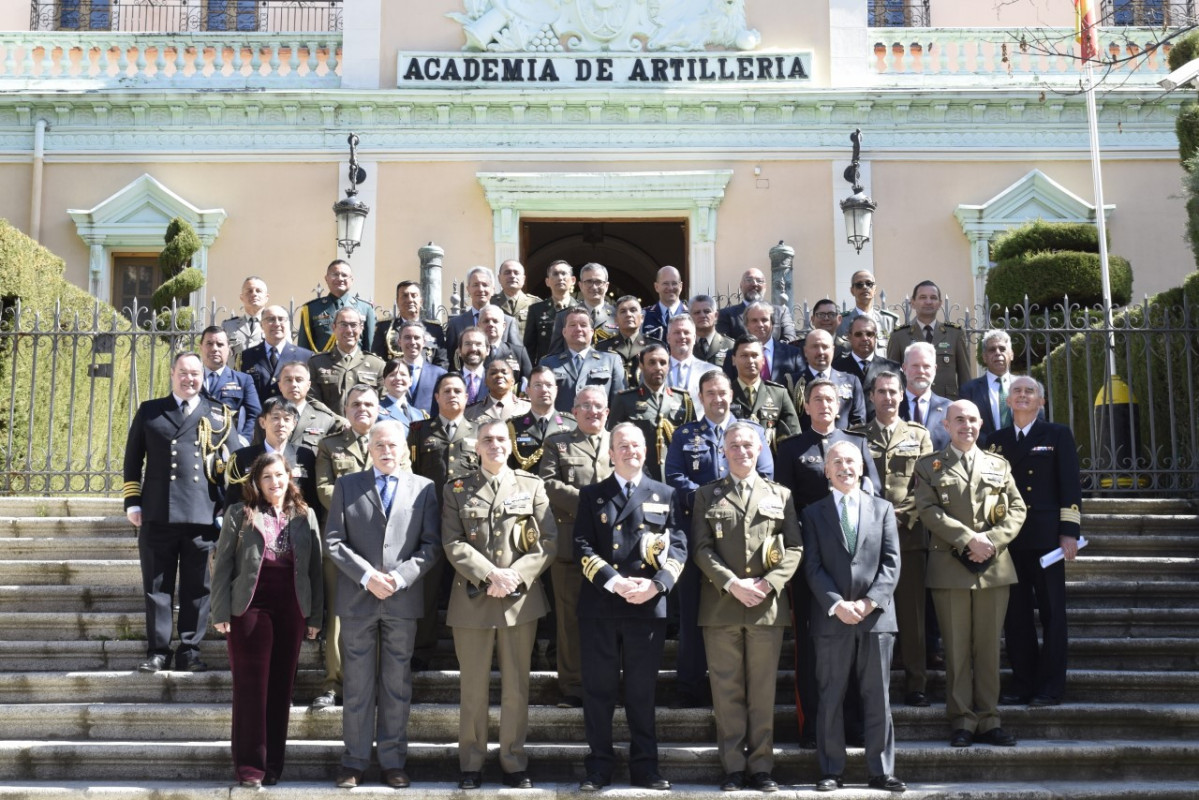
point(251, 323)
point(851, 534)
point(272, 358)
point(472, 387)
point(765, 371)
point(450, 429)
point(742, 490)
point(1005, 413)
point(387, 490)
point(1019, 436)
point(886, 436)
point(210, 383)
point(578, 359)
point(862, 366)
point(916, 417)
point(628, 490)
point(928, 333)
point(701, 348)
point(183, 406)
point(541, 426)
point(752, 394)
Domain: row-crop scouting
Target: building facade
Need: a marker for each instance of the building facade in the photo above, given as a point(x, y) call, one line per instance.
point(636, 133)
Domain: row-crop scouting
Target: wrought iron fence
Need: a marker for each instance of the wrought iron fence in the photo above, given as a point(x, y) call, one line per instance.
point(174, 16)
point(71, 382)
point(899, 13)
point(1150, 13)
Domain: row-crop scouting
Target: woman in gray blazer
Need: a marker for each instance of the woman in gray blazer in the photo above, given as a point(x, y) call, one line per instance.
point(267, 591)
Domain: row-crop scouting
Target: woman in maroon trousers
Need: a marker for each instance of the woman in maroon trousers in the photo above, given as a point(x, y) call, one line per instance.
point(267, 589)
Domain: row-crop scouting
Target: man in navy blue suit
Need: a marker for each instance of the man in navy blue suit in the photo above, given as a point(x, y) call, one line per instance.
point(1044, 463)
point(920, 404)
point(818, 356)
point(989, 391)
point(669, 286)
point(782, 362)
point(851, 562)
point(632, 551)
point(423, 373)
point(264, 361)
point(232, 389)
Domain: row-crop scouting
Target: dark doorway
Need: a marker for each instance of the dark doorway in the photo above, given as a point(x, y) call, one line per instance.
point(632, 250)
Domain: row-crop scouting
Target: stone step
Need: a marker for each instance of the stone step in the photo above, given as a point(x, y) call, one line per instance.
point(73, 572)
point(75, 548)
point(1132, 523)
point(77, 506)
point(1139, 505)
point(441, 686)
point(1085, 653)
point(1099, 568)
point(68, 527)
point(170, 722)
point(1136, 623)
point(1156, 543)
point(124, 599)
point(291, 789)
point(1131, 594)
point(919, 762)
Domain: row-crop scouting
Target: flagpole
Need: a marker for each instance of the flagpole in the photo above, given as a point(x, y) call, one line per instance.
point(1100, 217)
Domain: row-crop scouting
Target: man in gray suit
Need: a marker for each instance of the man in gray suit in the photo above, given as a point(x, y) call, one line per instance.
point(383, 535)
point(851, 560)
point(920, 404)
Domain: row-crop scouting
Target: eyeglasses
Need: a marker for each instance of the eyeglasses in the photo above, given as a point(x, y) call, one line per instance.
point(350, 325)
point(825, 315)
point(863, 284)
point(594, 282)
point(591, 407)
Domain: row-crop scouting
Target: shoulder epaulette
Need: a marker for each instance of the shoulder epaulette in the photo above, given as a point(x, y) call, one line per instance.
point(952, 325)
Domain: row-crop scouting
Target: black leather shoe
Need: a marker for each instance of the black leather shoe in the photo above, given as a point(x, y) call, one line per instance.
point(654, 781)
point(916, 700)
point(997, 737)
point(470, 780)
point(1013, 699)
point(326, 700)
point(807, 742)
point(348, 778)
point(155, 663)
point(195, 665)
point(829, 783)
point(961, 738)
point(593, 783)
point(396, 779)
point(733, 781)
point(270, 780)
point(763, 782)
point(567, 701)
point(517, 780)
point(1044, 700)
point(888, 783)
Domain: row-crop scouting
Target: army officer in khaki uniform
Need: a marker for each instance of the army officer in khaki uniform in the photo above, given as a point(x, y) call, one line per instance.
point(970, 505)
point(499, 536)
point(747, 543)
point(345, 364)
point(570, 461)
point(895, 446)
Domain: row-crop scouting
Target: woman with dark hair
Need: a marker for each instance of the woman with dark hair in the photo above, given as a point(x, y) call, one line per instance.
point(267, 588)
point(394, 403)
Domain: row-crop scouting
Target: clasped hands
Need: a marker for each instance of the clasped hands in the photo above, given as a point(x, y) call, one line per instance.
point(852, 612)
point(750, 591)
point(382, 585)
point(980, 548)
point(636, 590)
point(502, 582)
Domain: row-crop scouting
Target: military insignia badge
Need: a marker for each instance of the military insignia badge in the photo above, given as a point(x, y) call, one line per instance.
point(654, 547)
point(457, 486)
point(604, 517)
point(937, 465)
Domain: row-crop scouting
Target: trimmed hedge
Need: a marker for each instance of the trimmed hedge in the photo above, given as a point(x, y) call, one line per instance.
point(1039, 235)
point(1186, 127)
point(1153, 361)
point(1048, 277)
point(1184, 50)
point(177, 288)
point(181, 244)
point(50, 377)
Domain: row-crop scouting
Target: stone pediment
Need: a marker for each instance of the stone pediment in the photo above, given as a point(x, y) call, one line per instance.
point(551, 26)
point(138, 214)
point(1034, 196)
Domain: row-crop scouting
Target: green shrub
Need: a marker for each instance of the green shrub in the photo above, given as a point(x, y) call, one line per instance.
point(1048, 277)
point(1186, 126)
point(1184, 50)
point(181, 244)
point(1039, 236)
point(177, 288)
point(1153, 354)
point(50, 440)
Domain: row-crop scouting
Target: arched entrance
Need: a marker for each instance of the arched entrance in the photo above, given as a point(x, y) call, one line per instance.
point(632, 250)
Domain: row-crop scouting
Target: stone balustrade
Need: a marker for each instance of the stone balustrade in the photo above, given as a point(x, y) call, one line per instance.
point(906, 56)
point(230, 60)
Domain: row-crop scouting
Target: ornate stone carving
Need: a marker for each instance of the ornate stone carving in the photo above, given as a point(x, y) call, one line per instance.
point(548, 26)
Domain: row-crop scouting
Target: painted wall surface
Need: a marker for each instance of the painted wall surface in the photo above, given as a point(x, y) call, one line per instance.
point(280, 225)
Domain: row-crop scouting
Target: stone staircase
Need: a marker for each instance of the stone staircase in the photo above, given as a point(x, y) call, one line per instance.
point(77, 721)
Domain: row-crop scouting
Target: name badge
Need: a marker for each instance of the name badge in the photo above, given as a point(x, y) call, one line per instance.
point(655, 508)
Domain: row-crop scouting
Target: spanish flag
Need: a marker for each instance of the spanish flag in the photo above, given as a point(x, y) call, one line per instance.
point(1086, 31)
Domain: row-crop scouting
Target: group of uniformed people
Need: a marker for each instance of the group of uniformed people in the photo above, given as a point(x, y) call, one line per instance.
point(650, 448)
